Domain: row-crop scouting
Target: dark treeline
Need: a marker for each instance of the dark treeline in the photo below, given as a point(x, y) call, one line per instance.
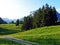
point(17, 22)
point(44, 16)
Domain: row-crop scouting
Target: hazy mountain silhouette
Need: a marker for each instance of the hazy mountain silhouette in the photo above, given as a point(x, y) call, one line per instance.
point(7, 20)
point(58, 15)
point(2, 21)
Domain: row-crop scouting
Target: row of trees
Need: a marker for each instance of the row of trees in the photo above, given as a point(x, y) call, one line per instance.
point(17, 22)
point(44, 16)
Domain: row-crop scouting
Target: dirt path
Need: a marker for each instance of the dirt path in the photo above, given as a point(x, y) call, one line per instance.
point(19, 40)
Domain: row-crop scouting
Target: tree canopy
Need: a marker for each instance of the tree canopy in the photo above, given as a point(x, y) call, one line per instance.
point(44, 16)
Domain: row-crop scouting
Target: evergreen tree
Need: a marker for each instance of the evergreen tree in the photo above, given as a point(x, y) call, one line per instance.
point(38, 17)
point(27, 24)
point(17, 22)
point(12, 22)
point(44, 16)
point(20, 22)
point(54, 16)
point(50, 16)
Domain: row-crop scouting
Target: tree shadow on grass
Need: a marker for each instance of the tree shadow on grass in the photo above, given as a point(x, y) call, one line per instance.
point(7, 31)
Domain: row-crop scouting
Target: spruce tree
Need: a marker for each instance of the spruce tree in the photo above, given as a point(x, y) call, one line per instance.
point(17, 22)
point(28, 23)
point(44, 16)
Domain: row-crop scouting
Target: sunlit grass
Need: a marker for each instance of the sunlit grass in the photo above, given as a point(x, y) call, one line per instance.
point(44, 35)
point(6, 29)
point(48, 35)
point(10, 26)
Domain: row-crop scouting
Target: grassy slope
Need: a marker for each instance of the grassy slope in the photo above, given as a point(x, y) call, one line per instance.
point(10, 26)
point(7, 42)
point(9, 29)
point(44, 35)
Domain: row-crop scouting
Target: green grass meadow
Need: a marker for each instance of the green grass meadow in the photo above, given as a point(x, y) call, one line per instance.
point(44, 35)
point(48, 35)
point(6, 29)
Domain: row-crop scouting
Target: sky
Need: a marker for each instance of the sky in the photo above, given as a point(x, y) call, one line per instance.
point(16, 9)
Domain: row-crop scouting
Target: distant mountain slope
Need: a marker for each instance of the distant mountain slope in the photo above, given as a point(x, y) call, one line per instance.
point(7, 20)
point(58, 15)
point(2, 21)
